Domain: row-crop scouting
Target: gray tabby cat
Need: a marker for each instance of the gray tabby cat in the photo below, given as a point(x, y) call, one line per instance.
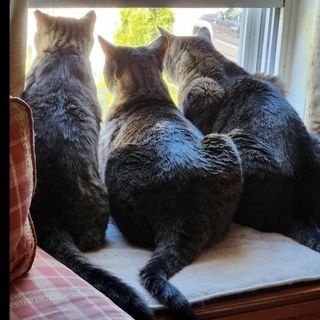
point(70, 208)
point(170, 188)
point(282, 172)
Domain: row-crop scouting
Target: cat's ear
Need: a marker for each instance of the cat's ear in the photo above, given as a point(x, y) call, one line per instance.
point(204, 33)
point(89, 20)
point(108, 48)
point(115, 62)
point(43, 20)
point(91, 16)
point(164, 32)
point(159, 47)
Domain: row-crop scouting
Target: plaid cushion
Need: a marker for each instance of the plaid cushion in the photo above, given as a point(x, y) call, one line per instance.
point(22, 181)
point(52, 291)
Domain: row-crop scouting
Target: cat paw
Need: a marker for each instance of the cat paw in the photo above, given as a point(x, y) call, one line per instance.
point(220, 145)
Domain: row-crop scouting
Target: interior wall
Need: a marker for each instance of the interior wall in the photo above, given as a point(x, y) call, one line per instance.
point(18, 41)
point(312, 106)
point(300, 53)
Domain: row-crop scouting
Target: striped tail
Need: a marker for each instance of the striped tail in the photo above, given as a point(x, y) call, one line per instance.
point(165, 262)
point(61, 246)
point(205, 214)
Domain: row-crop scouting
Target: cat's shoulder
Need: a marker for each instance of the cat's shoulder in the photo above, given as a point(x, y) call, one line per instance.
point(257, 84)
point(273, 80)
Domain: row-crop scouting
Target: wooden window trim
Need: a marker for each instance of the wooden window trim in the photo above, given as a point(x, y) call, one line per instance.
point(297, 301)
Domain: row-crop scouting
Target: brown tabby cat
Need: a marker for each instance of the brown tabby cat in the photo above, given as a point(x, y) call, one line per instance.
point(170, 188)
point(281, 171)
point(70, 207)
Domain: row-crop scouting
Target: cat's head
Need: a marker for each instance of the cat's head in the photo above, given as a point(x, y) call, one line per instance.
point(184, 53)
point(64, 32)
point(134, 72)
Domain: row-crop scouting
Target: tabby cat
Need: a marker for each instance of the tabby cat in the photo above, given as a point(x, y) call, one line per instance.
point(170, 188)
point(70, 207)
point(281, 174)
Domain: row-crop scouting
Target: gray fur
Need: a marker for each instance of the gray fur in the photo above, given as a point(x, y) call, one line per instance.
point(204, 33)
point(170, 188)
point(70, 208)
point(281, 175)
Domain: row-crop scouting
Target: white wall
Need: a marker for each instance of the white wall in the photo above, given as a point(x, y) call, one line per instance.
point(312, 110)
point(298, 36)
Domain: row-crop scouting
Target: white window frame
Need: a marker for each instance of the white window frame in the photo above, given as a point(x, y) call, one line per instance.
point(269, 31)
point(158, 3)
point(259, 30)
point(288, 19)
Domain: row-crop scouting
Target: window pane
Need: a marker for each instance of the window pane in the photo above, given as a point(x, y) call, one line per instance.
point(229, 28)
point(223, 23)
point(158, 3)
point(224, 26)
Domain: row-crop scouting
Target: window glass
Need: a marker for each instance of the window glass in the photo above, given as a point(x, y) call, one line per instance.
point(138, 26)
point(224, 26)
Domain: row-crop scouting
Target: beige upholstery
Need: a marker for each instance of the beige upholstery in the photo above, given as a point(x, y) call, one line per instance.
point(18, 41)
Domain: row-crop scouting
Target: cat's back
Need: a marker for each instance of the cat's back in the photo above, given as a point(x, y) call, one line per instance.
point(144, 119)
point(61, 92)
point(60, 87)
point(156, 151)
point(65, 109)
point(259, 108)
point(159, 127)
point(158, 157)
point(59, 79)
point(250, 99)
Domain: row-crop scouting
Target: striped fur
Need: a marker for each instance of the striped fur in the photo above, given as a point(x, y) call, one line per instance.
point(170, 188)
point(70, 208)
point(63, 32)
point(281, 172)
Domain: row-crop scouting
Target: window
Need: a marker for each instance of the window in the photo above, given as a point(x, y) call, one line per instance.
point(224, 26)
point(245, 31)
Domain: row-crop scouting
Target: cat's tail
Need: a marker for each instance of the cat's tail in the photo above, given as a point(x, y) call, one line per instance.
point(208, 205)
point(61, 246)
point(308, 235)
point(166, 260)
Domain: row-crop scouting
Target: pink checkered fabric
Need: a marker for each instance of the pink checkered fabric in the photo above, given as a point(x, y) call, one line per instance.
point(22, 181)
point(52, 291)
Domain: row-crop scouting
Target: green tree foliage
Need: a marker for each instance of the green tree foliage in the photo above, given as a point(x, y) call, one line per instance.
point(138, 26)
